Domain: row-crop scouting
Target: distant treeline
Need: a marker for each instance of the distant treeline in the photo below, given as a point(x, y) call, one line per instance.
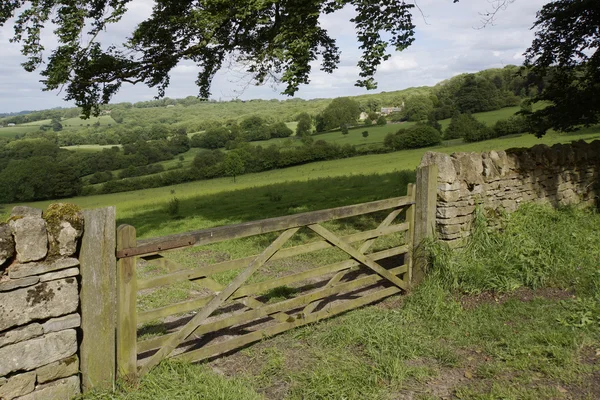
point(468, 93)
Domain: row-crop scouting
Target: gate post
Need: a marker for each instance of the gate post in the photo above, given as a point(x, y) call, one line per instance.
point(126, 306)
point(425, 210)
point(98, 299)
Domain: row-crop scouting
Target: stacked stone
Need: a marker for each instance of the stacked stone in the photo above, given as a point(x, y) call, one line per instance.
point(39, 301)
point(499, 181)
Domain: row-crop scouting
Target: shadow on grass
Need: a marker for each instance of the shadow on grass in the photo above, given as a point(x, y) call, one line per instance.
point(270, 201)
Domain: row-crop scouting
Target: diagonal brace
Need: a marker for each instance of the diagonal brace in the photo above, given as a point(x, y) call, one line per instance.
point(363, 249)
point(217, 301)
point(352, 252)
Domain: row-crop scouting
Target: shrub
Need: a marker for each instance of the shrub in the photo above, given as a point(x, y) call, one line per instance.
point(420, 135)
point(467, 127)
point(511, 126)
point(381, 120)
point(365, 134)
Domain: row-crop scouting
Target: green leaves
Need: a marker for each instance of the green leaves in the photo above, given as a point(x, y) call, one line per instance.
point(273, 40)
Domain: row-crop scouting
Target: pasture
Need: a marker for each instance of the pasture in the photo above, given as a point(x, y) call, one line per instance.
point(150, 204)
point(89, 148)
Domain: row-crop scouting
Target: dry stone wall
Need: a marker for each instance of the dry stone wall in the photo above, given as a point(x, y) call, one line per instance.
point(563, 174)
point(39, 303)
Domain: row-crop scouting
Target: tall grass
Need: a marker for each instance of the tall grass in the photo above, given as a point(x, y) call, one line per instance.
point(535, 247)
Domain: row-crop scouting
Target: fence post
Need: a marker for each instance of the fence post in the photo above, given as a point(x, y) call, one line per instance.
point(425, 209)
point(410, 219)
point(126, 306)
point(98, 298)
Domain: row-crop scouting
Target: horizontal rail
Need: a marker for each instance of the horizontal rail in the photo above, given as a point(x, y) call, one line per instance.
point(220, 348)
point(196, 273)
point(254, 288)
point(269, 309)
point(219, 234)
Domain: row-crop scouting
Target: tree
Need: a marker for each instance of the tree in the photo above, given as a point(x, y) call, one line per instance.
point(381, 121)
point(419, 135)
point(233, 164)
point(467, 127)
point(341, 111)
point(417, 108)
point(365, 134)
point(279, 130)
point(304, 126)
point(344, 129)
point(277, 40)
point(566, 52)
point(56, 125)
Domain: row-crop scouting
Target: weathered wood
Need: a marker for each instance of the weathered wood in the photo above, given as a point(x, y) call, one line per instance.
point(98, 299)
point(218, 300)
point(352, 252)
point(126, 306)
point(191, 305)
point(410, 219)
point(220, 348)
point(363, 249)
point(219, 234)
point(260, 287)
point(425, 209)
point(268, 309)
point(193, 274)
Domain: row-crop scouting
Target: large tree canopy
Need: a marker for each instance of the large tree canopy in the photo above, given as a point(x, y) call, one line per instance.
point(274, 40)
point(566, 52)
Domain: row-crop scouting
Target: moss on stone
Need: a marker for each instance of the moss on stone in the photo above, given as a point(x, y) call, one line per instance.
point(54, 215)
point(58, 212)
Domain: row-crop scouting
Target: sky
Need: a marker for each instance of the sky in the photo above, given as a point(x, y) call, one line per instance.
point(448, 42)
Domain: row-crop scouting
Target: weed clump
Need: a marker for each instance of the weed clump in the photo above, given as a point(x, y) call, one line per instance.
point(537, 246)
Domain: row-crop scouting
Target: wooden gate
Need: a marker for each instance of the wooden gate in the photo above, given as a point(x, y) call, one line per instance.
point(232, 305)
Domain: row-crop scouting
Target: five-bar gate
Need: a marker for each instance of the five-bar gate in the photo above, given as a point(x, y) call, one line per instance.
point(338, 267)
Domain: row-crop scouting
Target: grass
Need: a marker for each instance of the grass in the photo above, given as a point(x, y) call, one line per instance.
point(467, 338)
point(137, 207)
point(77, 122)
point(89, 148)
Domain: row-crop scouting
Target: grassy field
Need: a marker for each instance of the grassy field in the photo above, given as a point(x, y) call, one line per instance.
point(138, 206)
point(12, 131)
point(378, 133)
point(89, 148)
point(514, 315)
point(76, 122)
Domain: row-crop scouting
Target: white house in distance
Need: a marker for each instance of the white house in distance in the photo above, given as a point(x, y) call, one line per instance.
point(363, 116)
point(389, 110)
point(11, 124)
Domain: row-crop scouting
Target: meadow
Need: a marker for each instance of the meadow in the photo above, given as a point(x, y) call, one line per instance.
point(138, 206)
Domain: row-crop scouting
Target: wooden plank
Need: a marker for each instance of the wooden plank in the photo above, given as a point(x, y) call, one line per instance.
point(366, 260)
point(410, 219)
point(126, 306)
point(172, 309)
point(218, 300)
point(268, 309)
point(254, 288)
point(219, 234)
point(291, 279)
point(192, 274)
point(220, 348)
point(363, 249)
point(425, 209)
point(98, 299)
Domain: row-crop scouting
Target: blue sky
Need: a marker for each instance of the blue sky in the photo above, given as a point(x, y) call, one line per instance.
point(448, 42)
